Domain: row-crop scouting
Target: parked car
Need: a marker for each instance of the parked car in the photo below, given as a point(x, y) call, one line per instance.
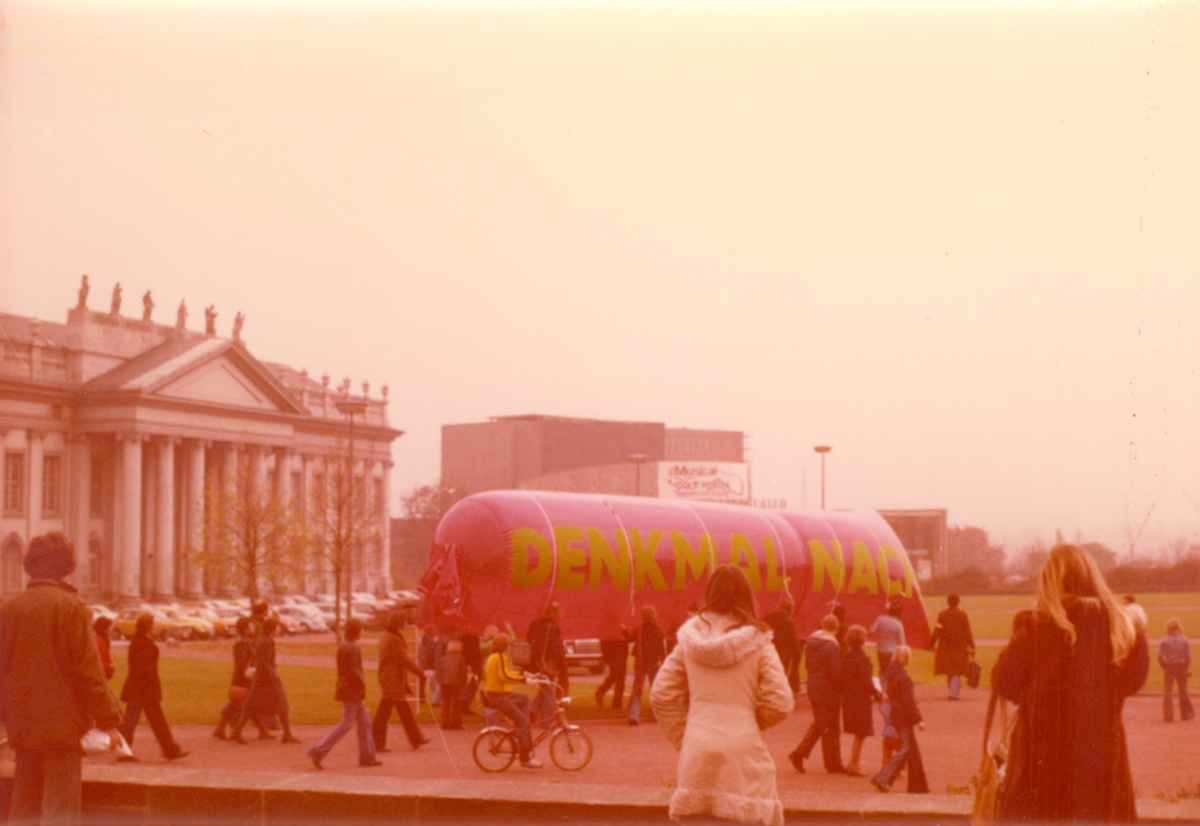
point(193, 627)
point(287, 624)
point(101, 611)
point(584, 654)
point(222, 626)
point(308, 621)
point(165, 628)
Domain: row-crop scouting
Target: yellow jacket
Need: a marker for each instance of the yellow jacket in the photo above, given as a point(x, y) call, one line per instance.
point(500, 676)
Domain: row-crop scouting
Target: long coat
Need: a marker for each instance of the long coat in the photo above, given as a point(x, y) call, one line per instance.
point(266, 689)
point(953, 639)
point(858, 692)
point(1067, 757)
point(243, 654)
point(394, 661)
point(51, 685)
point(718, 688)
point(142, 683)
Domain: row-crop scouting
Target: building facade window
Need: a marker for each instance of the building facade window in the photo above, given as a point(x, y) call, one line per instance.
point(14, 484)
point(96, 492)
point(95, 572)
point(51, 485)
point(11, 567)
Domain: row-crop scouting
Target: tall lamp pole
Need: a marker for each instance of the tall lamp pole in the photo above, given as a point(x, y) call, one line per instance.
point(822, 450)
point(349, 407)
point(637, 459)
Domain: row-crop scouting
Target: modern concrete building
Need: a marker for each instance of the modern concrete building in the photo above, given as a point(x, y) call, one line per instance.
point(595, 456)
point(117, 431)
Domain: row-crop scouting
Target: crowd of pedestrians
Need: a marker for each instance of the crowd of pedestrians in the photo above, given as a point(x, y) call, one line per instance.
point(714, 683)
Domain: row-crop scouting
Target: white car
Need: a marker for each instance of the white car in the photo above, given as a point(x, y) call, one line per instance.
point(308, 621)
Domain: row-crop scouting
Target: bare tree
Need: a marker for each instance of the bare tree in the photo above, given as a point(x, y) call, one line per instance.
point(343, 528)
point(251, 537)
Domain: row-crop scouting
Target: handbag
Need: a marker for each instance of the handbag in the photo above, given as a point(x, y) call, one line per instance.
point(974, 672)
point(237, 693)
point(991, 770)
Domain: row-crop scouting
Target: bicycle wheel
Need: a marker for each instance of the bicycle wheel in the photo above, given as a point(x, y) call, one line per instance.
point(494, 750)
point(571, 749)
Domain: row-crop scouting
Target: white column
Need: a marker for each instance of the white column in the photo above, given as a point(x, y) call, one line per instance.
point(386, 538)
point(230, 477)
point(193, 573)
point(129, 517)
point(78, 501)
point(164, 523)
point(283, 478)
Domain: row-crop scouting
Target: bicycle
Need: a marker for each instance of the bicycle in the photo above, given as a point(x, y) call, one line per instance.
point(495, 748)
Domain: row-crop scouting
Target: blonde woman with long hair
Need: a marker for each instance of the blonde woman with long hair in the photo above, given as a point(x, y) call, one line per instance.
point(1069, 665)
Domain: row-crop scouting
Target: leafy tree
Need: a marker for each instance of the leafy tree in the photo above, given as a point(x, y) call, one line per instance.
point(250, 536)
point(1105, 557)
point(969, 547)
point(430, 502)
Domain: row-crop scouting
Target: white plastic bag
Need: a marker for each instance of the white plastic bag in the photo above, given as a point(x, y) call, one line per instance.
point(96, 742)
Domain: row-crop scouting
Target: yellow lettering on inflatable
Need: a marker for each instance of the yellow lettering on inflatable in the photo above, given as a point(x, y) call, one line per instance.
point(890, 586)
point(774, 576)
point(572, 557)
point(741, 555)
point(603, 557)
point(864, 574)
point(524, 542)
point(826, 563)
point(644, 565)
point(689, 560)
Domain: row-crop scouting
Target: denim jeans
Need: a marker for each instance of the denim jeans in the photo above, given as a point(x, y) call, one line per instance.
point(514, 706)
point(1176, 675)
point(47, 785)
point(909, 755)
point(353, 714)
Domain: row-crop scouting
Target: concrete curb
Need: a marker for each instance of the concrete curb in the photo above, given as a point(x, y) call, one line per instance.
point(252, 798)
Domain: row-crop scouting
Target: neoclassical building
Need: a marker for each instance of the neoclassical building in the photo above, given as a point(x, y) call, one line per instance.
point(117, 430)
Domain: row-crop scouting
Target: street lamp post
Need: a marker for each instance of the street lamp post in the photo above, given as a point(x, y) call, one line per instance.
point(637, 459)
point(348, 407)
point(822, 450)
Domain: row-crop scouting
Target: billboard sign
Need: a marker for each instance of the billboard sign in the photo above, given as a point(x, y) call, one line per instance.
point(705, 481)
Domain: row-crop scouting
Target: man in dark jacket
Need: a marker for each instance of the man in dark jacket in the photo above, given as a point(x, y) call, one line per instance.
point(51, 687)
point(548, 655)
point(787, 640)
point(394, 666)
point(351, 691)
point(142, 691)
point(824, 692)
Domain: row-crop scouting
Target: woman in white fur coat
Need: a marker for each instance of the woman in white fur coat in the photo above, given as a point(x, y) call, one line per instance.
point(718, 688)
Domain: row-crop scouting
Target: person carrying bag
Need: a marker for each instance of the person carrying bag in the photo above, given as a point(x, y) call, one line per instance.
point(991, 770)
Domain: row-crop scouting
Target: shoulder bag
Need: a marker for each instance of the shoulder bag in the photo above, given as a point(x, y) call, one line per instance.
point(991, 770)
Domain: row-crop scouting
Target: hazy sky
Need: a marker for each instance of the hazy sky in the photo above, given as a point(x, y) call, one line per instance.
point(957, 241)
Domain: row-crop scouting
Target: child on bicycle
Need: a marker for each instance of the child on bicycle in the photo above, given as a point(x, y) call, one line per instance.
point(500, 677)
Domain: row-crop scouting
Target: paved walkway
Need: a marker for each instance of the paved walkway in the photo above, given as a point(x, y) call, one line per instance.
point(629, 778)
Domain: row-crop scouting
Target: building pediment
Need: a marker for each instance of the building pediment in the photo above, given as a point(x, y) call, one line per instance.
point(204, 371)
point(221, 382)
